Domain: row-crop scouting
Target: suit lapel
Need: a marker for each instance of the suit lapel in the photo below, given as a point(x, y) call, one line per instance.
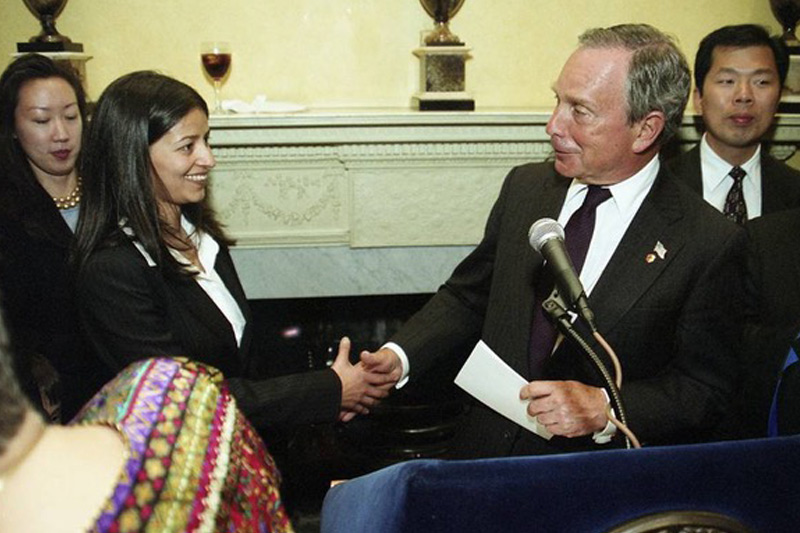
point(548, 204)
point(58, 228)
point(770, 192)
point(649, 245)
point(203, 308)
point(695, 166)
point(773, 185)
point(48, 222)
point(227, 272)
point(545, 201)
point(200, 304)
point(688, 169)
point(542, 199)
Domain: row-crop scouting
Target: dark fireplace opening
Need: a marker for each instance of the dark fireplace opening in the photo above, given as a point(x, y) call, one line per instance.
point(416, 421)
point(295, 335)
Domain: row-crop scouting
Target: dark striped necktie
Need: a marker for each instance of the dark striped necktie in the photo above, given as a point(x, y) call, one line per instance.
point(735, 207)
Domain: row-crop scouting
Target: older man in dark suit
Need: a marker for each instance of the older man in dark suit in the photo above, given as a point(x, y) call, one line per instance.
point(662, 269)
point(739, 73)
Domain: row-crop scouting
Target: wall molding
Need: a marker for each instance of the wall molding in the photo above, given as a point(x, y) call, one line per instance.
point(374, 184)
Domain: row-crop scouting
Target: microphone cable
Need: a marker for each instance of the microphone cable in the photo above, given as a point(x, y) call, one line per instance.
point(622, 426)
point(631, 437)
point(558, 313)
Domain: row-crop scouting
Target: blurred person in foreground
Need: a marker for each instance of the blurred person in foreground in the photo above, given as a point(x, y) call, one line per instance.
point(161, 448)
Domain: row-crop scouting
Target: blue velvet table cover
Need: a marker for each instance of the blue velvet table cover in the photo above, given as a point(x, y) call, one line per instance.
point(754, 481)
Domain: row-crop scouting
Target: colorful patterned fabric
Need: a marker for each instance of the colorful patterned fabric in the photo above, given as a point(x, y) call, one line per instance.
point(194, 462)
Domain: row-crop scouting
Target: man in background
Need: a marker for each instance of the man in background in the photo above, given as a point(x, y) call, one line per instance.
point(662, 269)
point(773, 324)
point(739, 73)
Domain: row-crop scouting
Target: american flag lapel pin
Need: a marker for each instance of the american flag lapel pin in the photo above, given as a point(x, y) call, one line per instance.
point(659, 252)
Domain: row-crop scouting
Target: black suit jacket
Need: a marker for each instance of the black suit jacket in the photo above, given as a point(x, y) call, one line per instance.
point(673, 322)
point(774, 313)
point(132, 311)
point(780, 183)
point(38, 297)
point(774, 268)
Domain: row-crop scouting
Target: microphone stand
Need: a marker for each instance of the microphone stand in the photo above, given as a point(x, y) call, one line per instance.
point(556, 308)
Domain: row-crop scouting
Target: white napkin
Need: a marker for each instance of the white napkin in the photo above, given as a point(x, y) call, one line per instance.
point(260, 104)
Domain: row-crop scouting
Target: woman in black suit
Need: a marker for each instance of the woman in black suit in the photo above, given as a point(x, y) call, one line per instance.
point(154, 273)
point(42, 112)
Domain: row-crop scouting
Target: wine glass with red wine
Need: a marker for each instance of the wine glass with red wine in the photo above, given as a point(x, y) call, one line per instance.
point(216, 57)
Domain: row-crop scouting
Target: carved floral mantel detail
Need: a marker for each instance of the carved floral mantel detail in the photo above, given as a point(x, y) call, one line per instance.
point(283, 199)
point(372, 178)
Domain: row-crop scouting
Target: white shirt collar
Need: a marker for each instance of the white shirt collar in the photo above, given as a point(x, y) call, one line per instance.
point(715, 170)
point(207, 247)
point(627, 195)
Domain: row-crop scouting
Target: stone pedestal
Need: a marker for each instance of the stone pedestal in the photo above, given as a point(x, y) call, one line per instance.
point(442, 77)
point(790, 100)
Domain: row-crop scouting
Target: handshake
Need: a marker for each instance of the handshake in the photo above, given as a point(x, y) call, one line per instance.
point(367, 382)
point(564, 408)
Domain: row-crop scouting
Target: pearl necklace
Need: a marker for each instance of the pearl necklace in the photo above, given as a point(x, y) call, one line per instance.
point(71, 200)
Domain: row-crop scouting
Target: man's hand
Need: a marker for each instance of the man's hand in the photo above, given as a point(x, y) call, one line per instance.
point(361, 389)
point(566, 408)
point(384, 363)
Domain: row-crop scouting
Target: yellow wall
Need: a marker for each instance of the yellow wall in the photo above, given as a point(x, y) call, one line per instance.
point(326, 53)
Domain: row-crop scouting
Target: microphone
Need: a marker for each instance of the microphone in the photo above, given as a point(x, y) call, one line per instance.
point(546, 236)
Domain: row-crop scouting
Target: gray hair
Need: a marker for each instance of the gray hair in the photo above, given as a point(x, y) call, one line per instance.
point(659, 78)
point(13, 402)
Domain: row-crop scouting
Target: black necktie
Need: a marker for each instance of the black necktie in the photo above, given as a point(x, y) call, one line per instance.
point(735, 207)
point(577, 236)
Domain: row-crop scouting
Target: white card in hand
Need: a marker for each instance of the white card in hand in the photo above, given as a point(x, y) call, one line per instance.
point(489, 379)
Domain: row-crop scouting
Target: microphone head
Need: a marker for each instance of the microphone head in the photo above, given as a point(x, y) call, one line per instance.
point(543, 230)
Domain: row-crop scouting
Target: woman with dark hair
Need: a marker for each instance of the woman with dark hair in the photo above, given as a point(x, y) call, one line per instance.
point(134, 459)
point(42, 113)
point(154, 273)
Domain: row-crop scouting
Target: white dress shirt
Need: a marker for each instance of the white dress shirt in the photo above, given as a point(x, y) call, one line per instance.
point(717, 183)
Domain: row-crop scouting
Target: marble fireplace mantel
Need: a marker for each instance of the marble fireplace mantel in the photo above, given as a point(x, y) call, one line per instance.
point(373, 201)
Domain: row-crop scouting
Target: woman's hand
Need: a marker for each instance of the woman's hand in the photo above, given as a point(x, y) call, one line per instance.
point(361, 389)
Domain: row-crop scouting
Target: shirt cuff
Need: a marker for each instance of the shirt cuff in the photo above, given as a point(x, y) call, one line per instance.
point(403, 362)
point(605, 436)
